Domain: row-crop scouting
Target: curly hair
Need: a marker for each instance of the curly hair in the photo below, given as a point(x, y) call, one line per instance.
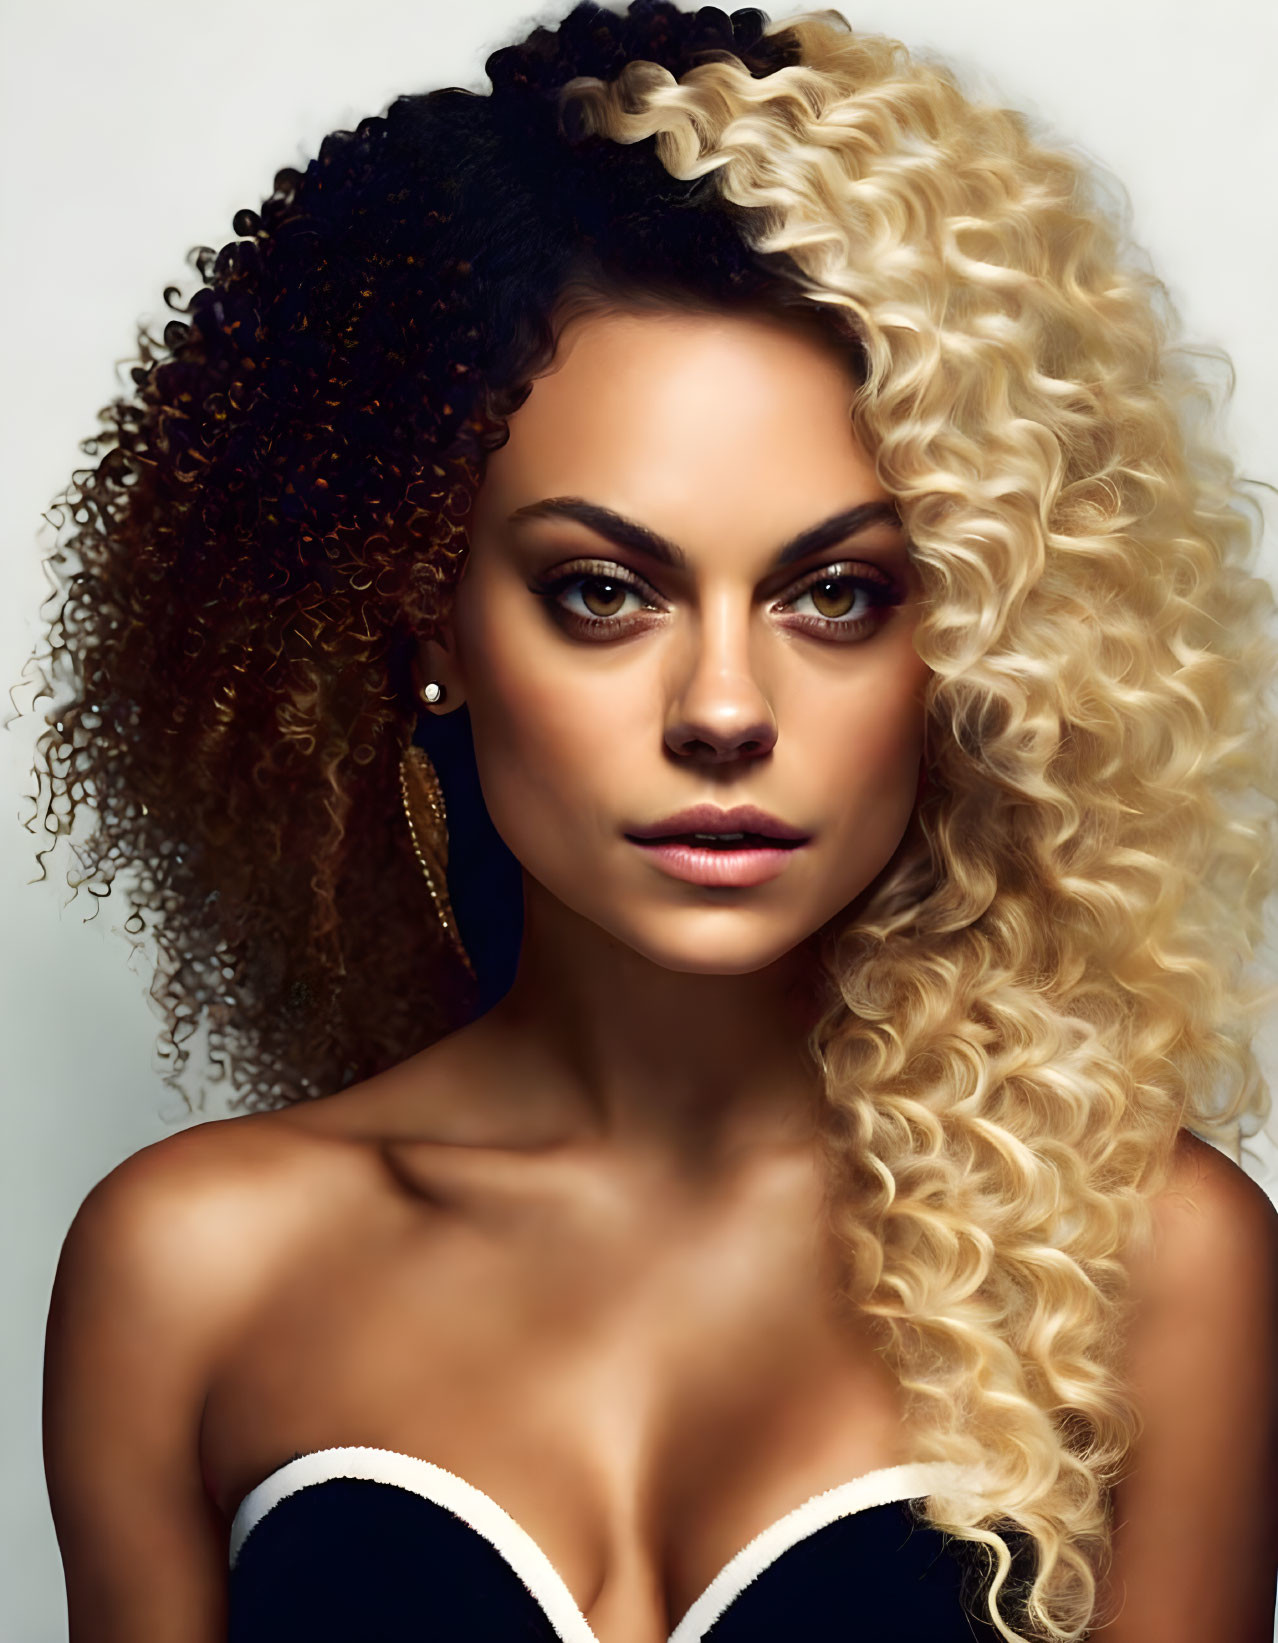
point(1051, 978)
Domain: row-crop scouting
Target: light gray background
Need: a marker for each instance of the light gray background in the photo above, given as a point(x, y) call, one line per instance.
point(129, 133)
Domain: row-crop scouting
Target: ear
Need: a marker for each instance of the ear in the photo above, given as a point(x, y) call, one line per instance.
point(435, 662)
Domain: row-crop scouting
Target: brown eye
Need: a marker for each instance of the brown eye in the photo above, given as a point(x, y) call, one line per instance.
point(602, 597)
point(834, 597)
point(849, 604)
point(592, 601)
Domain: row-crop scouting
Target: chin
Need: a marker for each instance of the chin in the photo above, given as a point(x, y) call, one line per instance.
point(725, 952)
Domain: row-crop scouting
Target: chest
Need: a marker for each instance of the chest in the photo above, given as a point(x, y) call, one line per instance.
point(639, 1400)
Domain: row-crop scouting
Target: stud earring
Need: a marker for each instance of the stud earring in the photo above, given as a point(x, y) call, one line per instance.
point(433, 693)
point(428, 828)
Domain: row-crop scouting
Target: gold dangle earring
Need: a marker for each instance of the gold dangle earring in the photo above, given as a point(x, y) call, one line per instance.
point(428, 829)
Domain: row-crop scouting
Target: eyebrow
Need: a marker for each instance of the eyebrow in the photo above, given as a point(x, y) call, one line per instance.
point(629, 533)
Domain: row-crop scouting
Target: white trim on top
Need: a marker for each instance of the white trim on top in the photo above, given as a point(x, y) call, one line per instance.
point(878, 1488)
point(530, 1563)
point(423, 1477)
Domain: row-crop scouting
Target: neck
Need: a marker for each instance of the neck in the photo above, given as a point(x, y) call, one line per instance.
point(618, 1051)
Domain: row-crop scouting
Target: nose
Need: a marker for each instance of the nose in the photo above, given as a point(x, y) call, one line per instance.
point(720, 713)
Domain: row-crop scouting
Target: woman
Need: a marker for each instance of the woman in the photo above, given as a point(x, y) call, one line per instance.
point(720, 512)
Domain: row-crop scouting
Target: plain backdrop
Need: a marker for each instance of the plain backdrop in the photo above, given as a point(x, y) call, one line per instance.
point(131, 132)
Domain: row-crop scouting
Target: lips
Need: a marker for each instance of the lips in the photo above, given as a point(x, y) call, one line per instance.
point(721, 849)
point(724, 841)
point(706, 825)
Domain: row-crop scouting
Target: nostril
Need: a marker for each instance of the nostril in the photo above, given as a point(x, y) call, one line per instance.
point(710, 753)
point(718, 748)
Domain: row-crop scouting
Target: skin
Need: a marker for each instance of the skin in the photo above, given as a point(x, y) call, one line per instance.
point(576, 1252)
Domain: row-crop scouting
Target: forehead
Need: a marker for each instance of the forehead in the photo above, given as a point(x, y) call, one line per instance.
point(671, 415)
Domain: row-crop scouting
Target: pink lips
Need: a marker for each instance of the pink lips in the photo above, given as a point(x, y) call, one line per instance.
point(760, 855)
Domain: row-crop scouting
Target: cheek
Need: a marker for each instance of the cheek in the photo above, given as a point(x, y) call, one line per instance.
point(889, 735)
point(551, 738)
point(871, 742)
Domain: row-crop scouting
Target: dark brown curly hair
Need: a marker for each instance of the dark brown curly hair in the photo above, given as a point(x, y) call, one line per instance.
point(277, 515)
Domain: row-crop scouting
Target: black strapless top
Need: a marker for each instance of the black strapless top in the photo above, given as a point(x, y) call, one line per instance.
point(360, 1545)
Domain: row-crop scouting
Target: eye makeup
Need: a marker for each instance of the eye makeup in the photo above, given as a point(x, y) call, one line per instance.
point(851, 580)
point(606, 581)
point(587, 597)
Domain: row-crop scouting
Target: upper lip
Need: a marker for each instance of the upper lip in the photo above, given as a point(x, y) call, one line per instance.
point(709, 818)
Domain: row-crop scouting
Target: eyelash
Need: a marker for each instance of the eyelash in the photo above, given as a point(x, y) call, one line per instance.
point(881, 591)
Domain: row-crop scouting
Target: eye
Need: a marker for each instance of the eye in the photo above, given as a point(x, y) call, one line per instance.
point(845, 601)
point(595, 595)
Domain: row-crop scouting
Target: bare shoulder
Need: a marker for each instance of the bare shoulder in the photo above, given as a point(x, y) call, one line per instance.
point(183, 1237)
point(181, 1233)
point(211, 1195)
point(1213, 1226)
point(214, 1211)
point(1195, 1517)
point(1211, 1268)
point(207, 1207)
point(162, 1260)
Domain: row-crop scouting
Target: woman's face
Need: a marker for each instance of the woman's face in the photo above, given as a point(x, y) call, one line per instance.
point(686, 587)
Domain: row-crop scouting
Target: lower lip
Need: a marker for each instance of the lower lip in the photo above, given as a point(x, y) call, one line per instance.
point(725, 869)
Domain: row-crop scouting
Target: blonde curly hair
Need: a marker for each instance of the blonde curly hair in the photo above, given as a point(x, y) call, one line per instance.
point(1055, 976)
